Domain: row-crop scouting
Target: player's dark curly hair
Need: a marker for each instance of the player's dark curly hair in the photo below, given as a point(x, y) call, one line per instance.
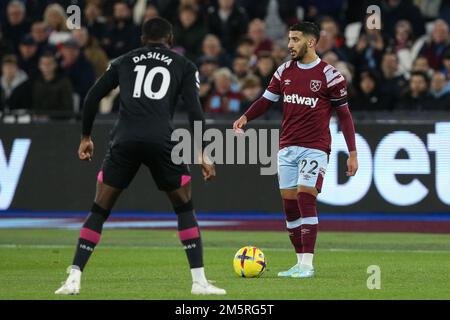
point(156, 30)
point(308, 28)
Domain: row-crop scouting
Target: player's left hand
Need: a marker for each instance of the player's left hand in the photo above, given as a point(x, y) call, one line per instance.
point(352, 164)
point(208, 171)
point(208, 168)
point(86, 149)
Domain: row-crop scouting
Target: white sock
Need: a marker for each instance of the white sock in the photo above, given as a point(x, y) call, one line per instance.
point(307, 260)
point(73, 270)
point(299, 258)
point(198, 275)
point(73, 267)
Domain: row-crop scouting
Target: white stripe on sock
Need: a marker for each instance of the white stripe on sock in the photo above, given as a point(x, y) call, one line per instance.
point(310, 220)
point(294, 224)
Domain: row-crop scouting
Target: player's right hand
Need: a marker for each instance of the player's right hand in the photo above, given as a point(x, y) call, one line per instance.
point(240, 123)
point(86, 149)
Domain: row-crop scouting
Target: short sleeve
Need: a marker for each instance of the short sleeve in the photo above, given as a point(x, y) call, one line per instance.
point(273, 90)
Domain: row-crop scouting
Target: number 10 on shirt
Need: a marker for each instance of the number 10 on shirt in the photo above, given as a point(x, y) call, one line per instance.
point(148, 82)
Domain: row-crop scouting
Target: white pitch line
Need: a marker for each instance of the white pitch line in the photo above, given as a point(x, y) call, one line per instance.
point(45, 246)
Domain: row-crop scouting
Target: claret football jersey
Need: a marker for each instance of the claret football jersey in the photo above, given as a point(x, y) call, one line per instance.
point(309, 93)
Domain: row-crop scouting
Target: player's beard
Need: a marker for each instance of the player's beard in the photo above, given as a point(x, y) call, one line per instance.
point(301, 54)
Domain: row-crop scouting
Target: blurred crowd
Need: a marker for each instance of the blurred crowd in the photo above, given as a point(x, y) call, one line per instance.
point(47, 67)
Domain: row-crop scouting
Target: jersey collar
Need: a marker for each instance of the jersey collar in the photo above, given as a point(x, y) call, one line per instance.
point(309, 65)
point(157, 44)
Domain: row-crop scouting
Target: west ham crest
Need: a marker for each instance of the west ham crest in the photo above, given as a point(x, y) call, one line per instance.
point(315, 85)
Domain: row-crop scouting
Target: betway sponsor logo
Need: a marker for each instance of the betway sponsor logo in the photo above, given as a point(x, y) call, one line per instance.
point(295, 98)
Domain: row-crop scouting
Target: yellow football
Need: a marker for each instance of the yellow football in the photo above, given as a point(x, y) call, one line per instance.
point(249, 262)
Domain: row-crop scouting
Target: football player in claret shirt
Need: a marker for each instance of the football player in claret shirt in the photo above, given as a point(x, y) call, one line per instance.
point(310, 90)
point(151, 79)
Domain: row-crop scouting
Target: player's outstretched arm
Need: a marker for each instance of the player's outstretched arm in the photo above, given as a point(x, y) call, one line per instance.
point(190, 95)
point(260, 106)
point(108, 81)
point(257, 108)
point(348, 129)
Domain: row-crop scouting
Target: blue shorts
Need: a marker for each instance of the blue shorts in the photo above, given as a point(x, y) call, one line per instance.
point(298, 166)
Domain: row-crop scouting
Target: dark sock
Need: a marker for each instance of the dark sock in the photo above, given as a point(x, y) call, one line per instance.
point(189, 234)
point(292, 212)
point(90, 235)
point(307, 204)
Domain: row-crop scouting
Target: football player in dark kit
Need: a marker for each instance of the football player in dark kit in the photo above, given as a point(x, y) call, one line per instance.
point(151, 79)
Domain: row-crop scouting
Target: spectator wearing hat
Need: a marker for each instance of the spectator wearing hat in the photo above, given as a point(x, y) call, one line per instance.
point(122, 34)
point(52, 92)
point(16, 25)
point(78, 69)
point(417, 97)
point(29, 56)
point(189, 31)
point(14, 85)
point(223, 99)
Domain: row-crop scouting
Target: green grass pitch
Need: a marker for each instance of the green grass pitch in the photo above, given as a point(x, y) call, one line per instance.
point(151, 264)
